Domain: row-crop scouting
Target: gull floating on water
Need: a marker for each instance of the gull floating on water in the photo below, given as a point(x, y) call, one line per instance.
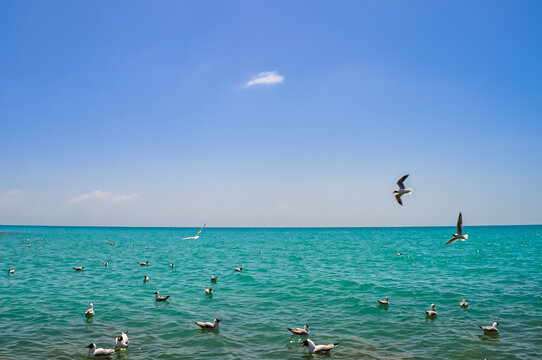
point(384, 302)
point(90, 312)
point(143, 263)
point(121, 341)
point(161, 298)
point(208, 325)
point(214, 278)
point(398, 254)
point(459, 235)
point(78, 268)
point(298, 331)
point(106, 263)
point(171, 265)
point(464, 304)
point(490, 330)
point(238, 269)
point(98, 353)
point(315, 349)
point(145, 278)
point(197, 235)
point(209, 291)
point(11, 271)
point(110, 242)
point(402, 191)
point(431, 313)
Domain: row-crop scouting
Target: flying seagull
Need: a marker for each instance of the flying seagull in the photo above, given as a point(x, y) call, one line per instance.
point(402, 191)
point(197, 235)
point(459, 235)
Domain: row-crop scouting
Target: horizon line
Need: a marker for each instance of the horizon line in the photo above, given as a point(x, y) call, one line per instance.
point(268, 227)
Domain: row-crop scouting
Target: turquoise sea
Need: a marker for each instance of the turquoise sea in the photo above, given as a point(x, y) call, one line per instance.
point(327, 277)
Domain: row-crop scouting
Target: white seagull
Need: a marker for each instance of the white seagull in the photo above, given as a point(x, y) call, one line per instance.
point(145, 278)
point(431, 313)
point(143, 263)
point(315, 349)
point(464, 304)
point(384, 302)
point(208, 325)
point(459, 235)
point(79, 268)
point(197, 235)
point(98, 353)
point(490, 330)
point(106, 263)
point(11, 271)
point(214, 278)
point(161, 298)
point(402, 191)
point(121, 341)
point(238, 269)
point(209, 291)
point(298, 331)
point(171, 265)
point(90, 312)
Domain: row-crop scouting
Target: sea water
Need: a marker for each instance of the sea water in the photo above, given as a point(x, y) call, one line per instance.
point(330, 278)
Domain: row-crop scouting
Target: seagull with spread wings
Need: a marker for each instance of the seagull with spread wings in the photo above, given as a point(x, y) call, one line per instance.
point(402, 191)
point(459, 235)
point(197, 235)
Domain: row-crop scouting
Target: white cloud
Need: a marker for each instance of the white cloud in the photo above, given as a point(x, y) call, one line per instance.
point(104, 196)
point(265, 78)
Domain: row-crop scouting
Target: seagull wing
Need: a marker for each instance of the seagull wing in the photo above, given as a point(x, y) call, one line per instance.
point(320, 348)
point(460, 224)
point(398, 198)
point(104, 352)
point(400, 182)
point(451, 241)
point(200, 230)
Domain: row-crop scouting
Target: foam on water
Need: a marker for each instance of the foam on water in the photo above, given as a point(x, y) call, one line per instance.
point(330, 278)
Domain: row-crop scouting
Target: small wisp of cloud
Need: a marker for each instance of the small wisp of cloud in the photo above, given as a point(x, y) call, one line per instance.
point(104, 196)
point(265, 78)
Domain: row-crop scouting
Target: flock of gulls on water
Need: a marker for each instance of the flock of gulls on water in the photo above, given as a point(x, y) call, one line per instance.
point(121, 341)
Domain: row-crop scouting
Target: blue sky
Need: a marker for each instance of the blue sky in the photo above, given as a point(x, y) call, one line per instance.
point(138, 113)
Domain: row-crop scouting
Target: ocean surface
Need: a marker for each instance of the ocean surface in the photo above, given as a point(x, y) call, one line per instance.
point(327, 277)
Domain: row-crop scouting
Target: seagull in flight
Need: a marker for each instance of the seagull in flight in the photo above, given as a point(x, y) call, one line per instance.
point(459, 235)
point(402, 191)
point(197, 235)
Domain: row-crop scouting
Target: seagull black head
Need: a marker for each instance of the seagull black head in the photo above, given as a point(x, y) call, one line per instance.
point(305, 343)
point(91, 346)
